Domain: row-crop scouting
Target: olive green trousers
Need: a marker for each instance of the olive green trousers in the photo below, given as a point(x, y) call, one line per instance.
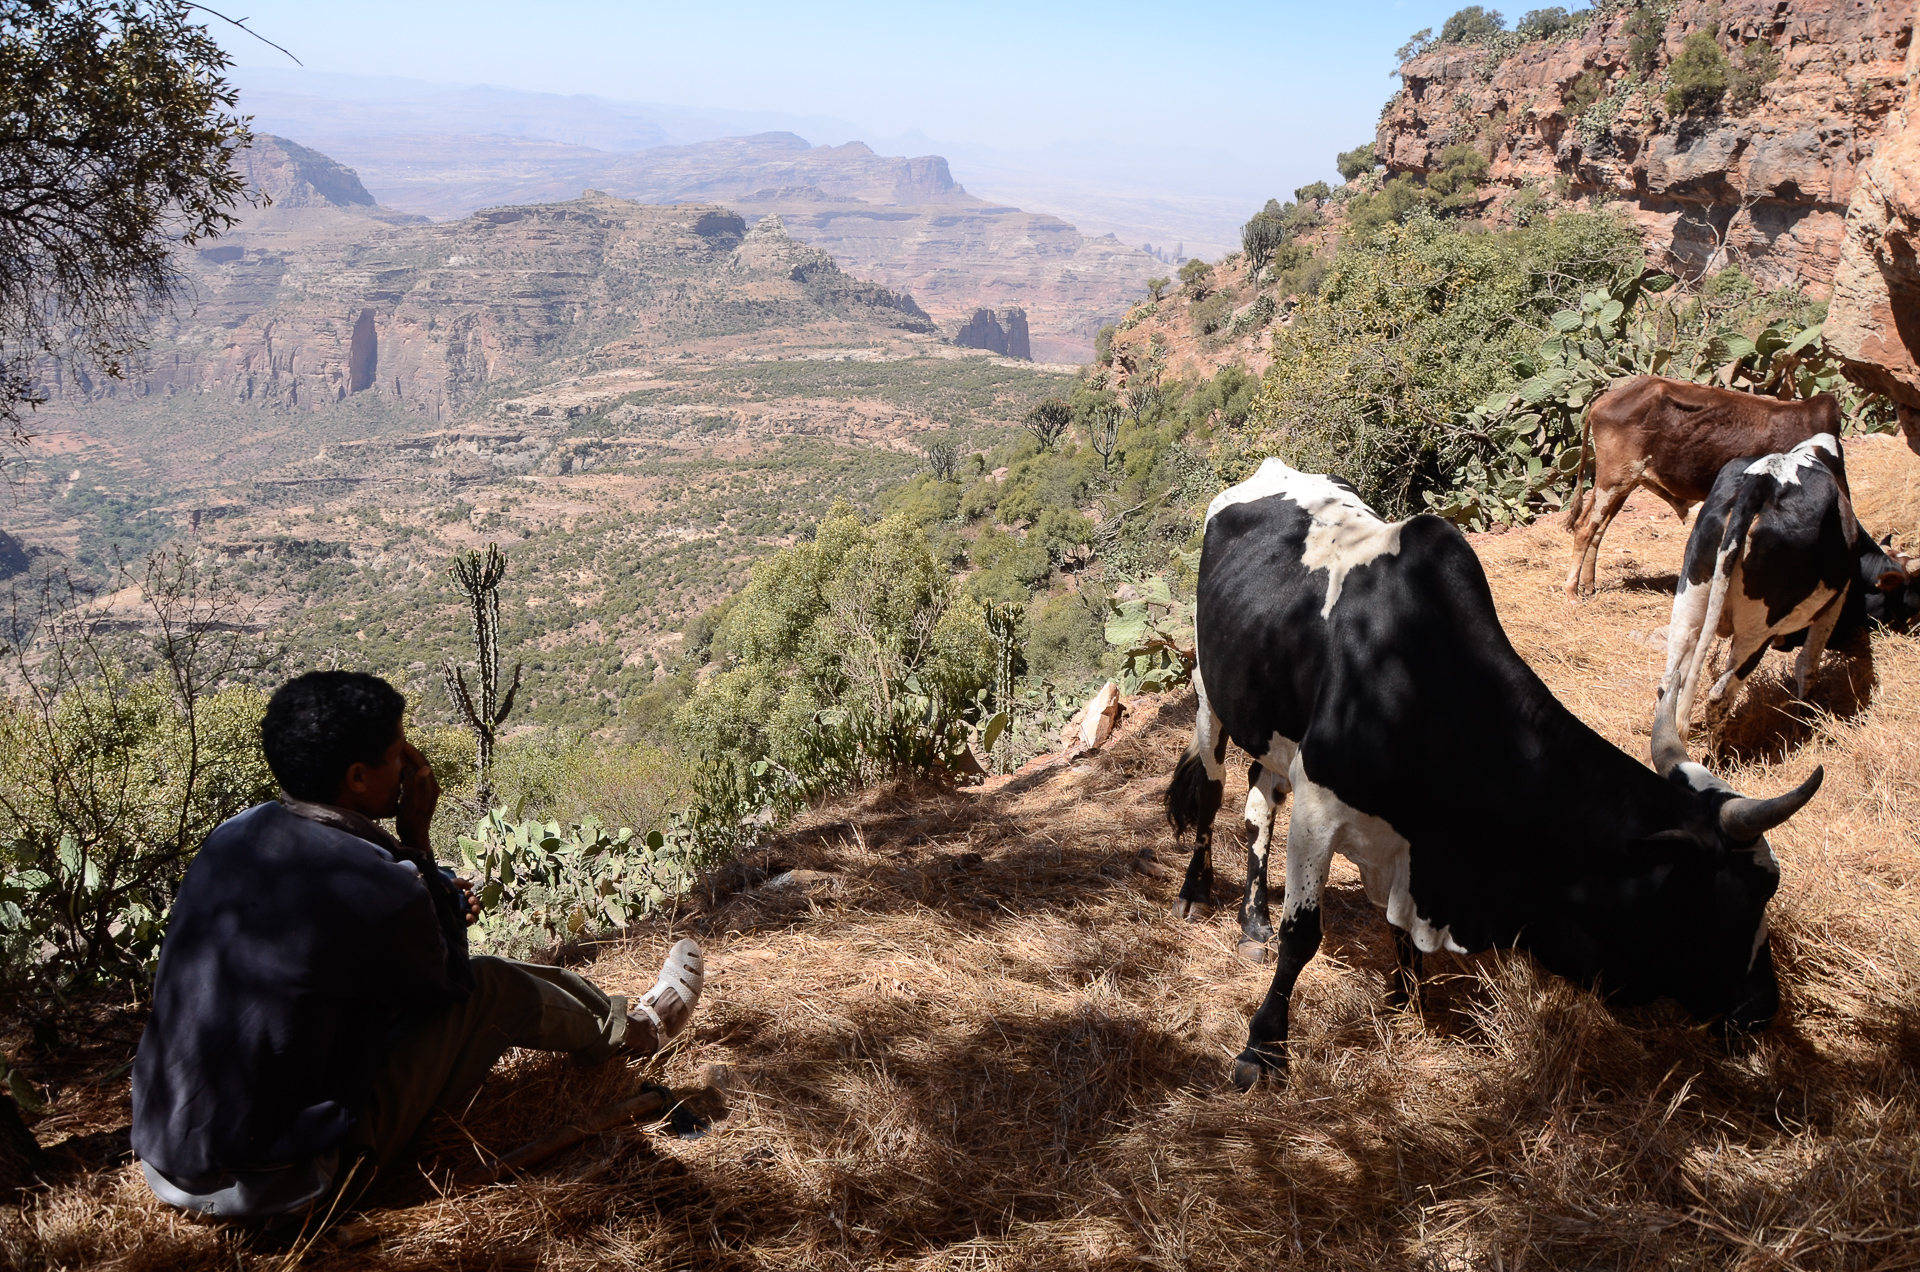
point(440, 1062)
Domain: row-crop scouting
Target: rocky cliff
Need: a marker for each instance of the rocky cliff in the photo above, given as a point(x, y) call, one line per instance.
point(306, 309)
point(1874, 320)
point(1003, 331)
point(293, 176)
point(898, 221)
point(1764, 179)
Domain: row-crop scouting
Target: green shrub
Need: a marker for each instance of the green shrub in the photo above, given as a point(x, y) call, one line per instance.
point(1356, 162)
point(1698, 75)
point(1472, 25)
point(104, 796)
point(1196, 279)
point(1211, 314)
point(1011, 566)
point(1412, 328)
point(1059, 531)
point(1455, 187)
point(1317, 192)
point(118, 756)
point(1646, 30)
point(1541, 24)
point(1303, 279)
point(924, 500)
point(847, 659)
point(1064, 641)
point(1759, 66)
point(981, 499)
point(1588, 89)
point(540, 882)
point(1103, 346)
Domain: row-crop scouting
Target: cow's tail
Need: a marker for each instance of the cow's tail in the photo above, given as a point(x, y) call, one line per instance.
point(1580, 473)
point(1192, 798)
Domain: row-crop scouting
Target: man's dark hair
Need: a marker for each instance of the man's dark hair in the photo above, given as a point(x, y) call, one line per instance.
point(319, 725)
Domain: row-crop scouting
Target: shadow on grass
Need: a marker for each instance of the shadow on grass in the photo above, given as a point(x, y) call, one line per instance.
point(1769, 723)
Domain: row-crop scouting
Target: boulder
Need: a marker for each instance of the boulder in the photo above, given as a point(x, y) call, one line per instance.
point(1101, 714)
point(1873, 322)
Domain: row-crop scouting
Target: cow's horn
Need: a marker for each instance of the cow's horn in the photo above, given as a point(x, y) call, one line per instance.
point(1668, 750)
point(1743, 819)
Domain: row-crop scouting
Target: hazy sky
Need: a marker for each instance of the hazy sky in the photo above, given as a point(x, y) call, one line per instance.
point(1285, 84)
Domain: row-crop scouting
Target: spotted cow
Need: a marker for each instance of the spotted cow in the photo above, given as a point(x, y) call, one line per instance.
point(1362, 663)
point(1776, 560)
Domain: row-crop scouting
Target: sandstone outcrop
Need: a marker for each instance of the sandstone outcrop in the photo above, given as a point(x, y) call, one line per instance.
point(901, 222)
point(304, 309)
point(1004, 331)
point(1873, 322)
point(1765, 184)
point(296, 177)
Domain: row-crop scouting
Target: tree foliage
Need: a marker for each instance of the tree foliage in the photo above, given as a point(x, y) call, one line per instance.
point(1698, 75)
point(1048, 421)
point(846, 659)
point(1471, 25)
point(118, 145)
point(117, 757)
point(1260, 238)
point(1196, 279)
point(1645, 29)
point(1411, 329)
point(1357, 162)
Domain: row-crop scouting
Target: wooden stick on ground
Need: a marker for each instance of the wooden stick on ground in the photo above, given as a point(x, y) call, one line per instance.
point(645, 1104)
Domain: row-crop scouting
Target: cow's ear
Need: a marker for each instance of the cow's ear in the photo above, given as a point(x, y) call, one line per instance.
point(1893, 580)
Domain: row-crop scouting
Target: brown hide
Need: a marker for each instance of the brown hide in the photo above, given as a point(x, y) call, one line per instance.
point(1674, 436)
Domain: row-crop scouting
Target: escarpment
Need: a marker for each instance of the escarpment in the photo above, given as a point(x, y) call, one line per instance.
point(1873, 323)
point(309, 307)
point(1758, 171)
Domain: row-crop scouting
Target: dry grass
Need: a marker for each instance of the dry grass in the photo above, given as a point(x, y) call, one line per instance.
point(979, 1041)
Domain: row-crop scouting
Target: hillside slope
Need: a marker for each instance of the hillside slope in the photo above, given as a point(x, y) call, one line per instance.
point(959, 1030)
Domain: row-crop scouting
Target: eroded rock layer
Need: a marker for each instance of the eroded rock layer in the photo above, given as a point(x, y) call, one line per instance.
point(1874, 320)
point(1763, 180)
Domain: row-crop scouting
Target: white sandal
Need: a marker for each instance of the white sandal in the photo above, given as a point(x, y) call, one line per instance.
point(669, 1004)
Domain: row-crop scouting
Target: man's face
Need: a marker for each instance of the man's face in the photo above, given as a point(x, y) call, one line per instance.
point(373, 790)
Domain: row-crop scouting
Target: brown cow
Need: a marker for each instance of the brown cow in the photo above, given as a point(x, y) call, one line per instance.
point(1674, 436)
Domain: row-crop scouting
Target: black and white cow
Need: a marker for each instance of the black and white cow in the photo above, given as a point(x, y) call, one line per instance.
point(1776, 560)
point(1363, 663)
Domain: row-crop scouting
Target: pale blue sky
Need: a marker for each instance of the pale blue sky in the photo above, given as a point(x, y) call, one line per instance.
point(1284, 85)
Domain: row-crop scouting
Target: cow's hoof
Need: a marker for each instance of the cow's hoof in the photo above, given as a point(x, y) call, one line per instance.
point(1255, 952)
point(1248, 1069)
point(1192, 911)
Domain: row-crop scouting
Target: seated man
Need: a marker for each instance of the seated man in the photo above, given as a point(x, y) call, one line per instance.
point(315, 1000)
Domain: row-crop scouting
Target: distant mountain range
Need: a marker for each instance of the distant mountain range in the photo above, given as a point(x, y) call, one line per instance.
point(903, 223)
point(1168, 196)
point(1068, 232)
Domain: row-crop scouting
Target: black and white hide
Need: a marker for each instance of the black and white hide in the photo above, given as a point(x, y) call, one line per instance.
point(1770, 562)
point(1363, 663)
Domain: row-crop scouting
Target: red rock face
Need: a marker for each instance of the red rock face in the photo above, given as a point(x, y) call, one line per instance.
point(1764, 184)
point(1874, 319)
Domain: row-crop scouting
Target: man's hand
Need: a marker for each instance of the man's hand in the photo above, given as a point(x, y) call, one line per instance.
point(473, 902)
point(419, 796)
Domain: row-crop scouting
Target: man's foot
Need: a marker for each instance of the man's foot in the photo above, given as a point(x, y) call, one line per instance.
point(668, 1006)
